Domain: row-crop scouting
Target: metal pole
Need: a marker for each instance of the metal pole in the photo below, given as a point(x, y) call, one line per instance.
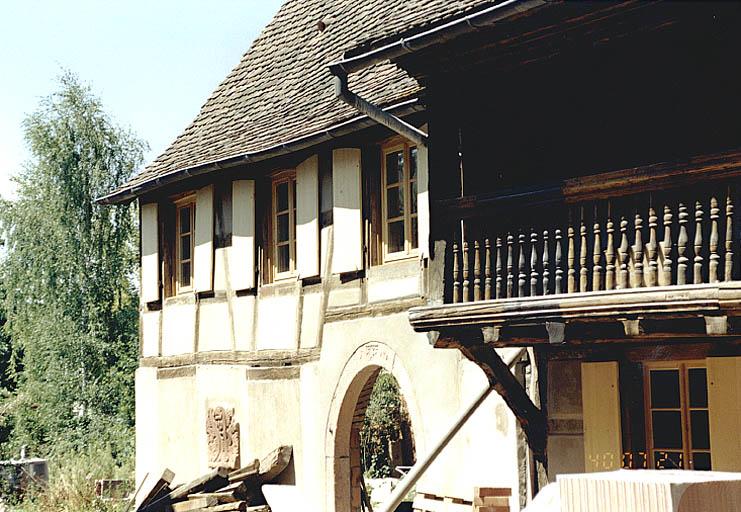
point(405, 484)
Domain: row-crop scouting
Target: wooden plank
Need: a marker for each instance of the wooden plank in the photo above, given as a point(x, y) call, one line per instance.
point(211, 481)
point(307, 217)
point(346, 211)
point(274, 463)
point(601, 406)
point(203, 257)
point(724, 397)
point(150, 257)
point(240, 506)
point(244, 472)
point(194, 504)
point(157, 489)
point(242, 256)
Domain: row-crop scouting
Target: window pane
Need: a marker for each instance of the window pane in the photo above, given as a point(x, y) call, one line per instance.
point(394, 167)
point(284, 258)
point(698, 387)
point(185, 220)
point(664, 389)
point(283, 231)
point(415, 242)
point(395, 202)
point(701, 461)
point(700, 430)
point(185, 247)
point(281, 196)
point(185, 274)
point(413, 193)
point(413, 163)
point(668, 460)
point(396, 236)
point(667, 429)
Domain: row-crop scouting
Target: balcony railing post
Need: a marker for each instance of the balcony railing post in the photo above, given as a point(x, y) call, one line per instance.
point(714, 258)
point(682, 259)
point(697, 268)
point(667, 245)
point(729, 238)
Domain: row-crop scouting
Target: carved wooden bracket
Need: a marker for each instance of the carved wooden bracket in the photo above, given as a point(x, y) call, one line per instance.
point(222, 433)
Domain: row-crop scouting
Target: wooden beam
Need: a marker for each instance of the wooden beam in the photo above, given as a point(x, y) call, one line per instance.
point(159, 488)
point(532, 419)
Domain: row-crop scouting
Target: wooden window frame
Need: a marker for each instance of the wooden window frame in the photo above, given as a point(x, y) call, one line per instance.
point(276, 180)
point(188, 201)
point(394, 146)
point(683, 367)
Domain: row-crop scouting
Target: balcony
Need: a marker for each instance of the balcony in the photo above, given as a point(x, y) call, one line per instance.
point(654, 242)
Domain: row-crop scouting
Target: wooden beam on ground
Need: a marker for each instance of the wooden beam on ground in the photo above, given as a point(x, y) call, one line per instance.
point(231, 507)
point(211, 481)
point(194, 504)
point(159, 489)
point(275, 463)
point(245, 472)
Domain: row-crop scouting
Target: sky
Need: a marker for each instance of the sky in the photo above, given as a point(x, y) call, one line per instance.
point(153, 63)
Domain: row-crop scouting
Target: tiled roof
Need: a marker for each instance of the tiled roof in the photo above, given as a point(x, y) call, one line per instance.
point(282, 90)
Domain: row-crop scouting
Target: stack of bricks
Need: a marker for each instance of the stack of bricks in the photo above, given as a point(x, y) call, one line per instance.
point(491, 499)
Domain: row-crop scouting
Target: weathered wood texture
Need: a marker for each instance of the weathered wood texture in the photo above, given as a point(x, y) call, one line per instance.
point(159, 488)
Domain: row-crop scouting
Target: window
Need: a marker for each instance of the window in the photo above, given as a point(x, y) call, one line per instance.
point(399, 190)
point(284, 225)
point(185, 220)
point(677, 425)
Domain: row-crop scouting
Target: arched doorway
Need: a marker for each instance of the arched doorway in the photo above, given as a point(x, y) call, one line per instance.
point(347, 413)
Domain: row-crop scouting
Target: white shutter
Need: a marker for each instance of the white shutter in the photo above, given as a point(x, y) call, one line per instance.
point(724, 399)
point(203, 256)
point(242, 259)
point(600, 393)
point(150, 257)
point(307, 217)
point(423, 202)
point(346, 211)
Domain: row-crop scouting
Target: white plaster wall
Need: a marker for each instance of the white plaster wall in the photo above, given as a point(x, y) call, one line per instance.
point(178, 328)
point(150, 333)
point(276, 326)
point(180, 444)
point(244, 322)
point(393, 288)
point(311, 318)
point(147, 424)
point(215, 328)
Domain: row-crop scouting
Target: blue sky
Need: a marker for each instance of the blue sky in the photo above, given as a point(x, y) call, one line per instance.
point(153, 63)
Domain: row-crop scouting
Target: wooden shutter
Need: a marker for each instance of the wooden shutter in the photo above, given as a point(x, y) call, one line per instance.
point(307, 217)
point(346, 211)
point(423, 204)
point(600, 393)
point(203, 255)
point(724, 404)
point(150, 256)
point(242, 260)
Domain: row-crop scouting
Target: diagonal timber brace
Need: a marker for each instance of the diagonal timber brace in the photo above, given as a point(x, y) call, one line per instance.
point(532, 419)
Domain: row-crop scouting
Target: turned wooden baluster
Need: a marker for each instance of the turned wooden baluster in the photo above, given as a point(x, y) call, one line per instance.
point(533, 264)
point(570, 261)
point(714, 258)
point(456, 274)
point(510, 265)
point(652, 249)
point(546, 264)
point(499, 291)
point(487, 270)
point(597, 254)
point(559, 262)
point(697, 269)
point(521, 276)
point(583, 251)
point(729, 238)
point(476, 271)
point(638, 250)
point(682, 240)
point(623, 249)
point(610, 255)
point(667, 245)
point(466, 282)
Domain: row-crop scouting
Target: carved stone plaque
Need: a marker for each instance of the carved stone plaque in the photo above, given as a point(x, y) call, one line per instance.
point(223, 438)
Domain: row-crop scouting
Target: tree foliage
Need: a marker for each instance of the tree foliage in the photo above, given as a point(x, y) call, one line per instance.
point(70, 303)
point(384, 420)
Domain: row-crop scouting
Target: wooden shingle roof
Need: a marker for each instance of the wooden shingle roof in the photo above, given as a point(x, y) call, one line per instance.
point(282, 90)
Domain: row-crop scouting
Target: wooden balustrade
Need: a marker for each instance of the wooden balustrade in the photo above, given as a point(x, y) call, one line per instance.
point(641, 240)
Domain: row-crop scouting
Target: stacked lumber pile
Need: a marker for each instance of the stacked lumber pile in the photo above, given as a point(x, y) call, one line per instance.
point(491, 499)
point(219, 490)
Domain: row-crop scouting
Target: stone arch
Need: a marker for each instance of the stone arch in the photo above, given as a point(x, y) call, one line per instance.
point(346, 413)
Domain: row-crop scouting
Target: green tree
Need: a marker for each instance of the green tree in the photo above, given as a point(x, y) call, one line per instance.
point(70, 303)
